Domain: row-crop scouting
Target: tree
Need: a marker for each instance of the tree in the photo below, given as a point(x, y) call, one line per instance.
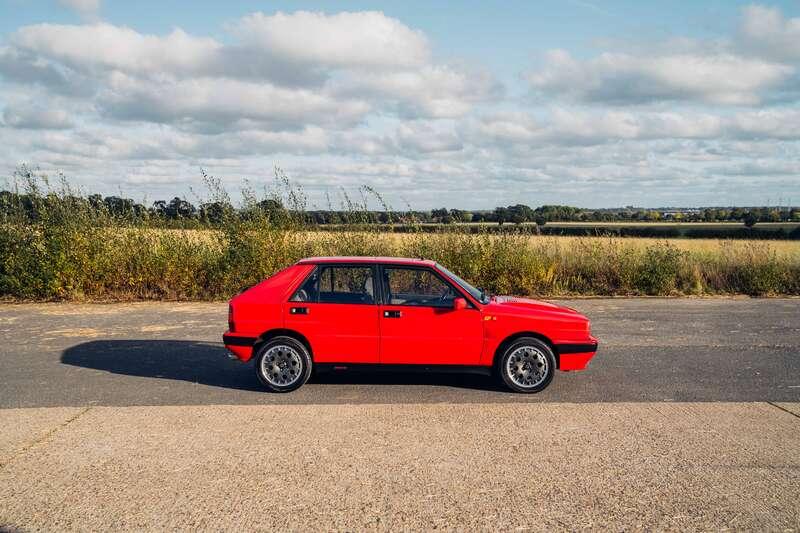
point(215, 212)
point(271, 205)
point(460, 216)
point(520, 213)
point(501, 215)
point(441, 215)
point(750, 220)
point(176, 208)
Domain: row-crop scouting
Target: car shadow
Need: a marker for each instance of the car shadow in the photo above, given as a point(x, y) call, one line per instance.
point(197, 362)
point(448, 379)
point(207, 363)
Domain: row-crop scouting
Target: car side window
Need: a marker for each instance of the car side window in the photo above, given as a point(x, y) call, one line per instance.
point(415, 286)
point(338, 284)
point(308, 290)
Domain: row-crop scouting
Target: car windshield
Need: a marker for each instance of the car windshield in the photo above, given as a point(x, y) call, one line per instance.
point(478, 294)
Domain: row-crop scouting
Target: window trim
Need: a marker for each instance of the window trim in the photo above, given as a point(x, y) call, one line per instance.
point(385, 291)
point(319, 268)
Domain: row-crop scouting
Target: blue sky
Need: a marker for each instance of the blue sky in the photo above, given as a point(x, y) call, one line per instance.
point(467, 104)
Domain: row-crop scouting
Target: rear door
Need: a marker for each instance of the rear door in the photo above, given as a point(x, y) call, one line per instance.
point(418, 323)
point(336, 310)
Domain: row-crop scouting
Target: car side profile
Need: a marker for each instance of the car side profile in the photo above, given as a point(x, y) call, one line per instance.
point(386, 313)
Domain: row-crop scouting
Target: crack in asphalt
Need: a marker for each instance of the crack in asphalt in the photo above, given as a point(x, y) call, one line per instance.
point(784, 409)
point(22, 451)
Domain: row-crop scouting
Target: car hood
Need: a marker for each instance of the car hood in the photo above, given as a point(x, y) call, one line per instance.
point(515, 305)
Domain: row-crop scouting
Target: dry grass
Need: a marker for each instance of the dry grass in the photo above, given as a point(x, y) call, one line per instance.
point(69, 251)
point(85, 263)
point(782, 248)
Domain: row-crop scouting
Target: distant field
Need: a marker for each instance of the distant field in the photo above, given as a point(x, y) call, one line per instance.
point(565, 242)
point(725, 225)
point(780, 247)
point(689, 230)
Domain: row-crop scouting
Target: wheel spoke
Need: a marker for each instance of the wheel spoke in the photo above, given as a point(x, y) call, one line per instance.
point(527, 366)
point(281, 365)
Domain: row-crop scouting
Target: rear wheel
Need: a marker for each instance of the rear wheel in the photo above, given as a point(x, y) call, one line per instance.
point(283, 364)
point(527, 365)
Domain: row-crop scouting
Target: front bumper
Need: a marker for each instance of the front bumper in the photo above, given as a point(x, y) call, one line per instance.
point(575, 356)
point(240, 346)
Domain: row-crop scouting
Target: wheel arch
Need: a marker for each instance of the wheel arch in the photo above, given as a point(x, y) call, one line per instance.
point(514, 336)
point(283, 332)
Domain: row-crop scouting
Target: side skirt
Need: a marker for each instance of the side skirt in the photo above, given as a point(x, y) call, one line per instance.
point(377, 367)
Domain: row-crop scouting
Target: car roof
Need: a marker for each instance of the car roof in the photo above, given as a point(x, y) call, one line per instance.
point(366, 259)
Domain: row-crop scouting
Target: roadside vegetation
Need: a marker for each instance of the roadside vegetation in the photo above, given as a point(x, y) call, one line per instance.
point(57, 244)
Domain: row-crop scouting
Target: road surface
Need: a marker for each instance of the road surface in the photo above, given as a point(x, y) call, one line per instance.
point(130, 417)
point(651, 350)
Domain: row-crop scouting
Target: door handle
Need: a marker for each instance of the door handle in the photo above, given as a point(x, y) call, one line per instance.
point(298, 310)
point(392, 314)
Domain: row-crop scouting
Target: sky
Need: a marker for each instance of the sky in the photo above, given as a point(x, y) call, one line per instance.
point(460, 104)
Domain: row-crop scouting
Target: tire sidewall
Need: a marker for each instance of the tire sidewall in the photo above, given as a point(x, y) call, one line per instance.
point(305, 359)
point(539, 345)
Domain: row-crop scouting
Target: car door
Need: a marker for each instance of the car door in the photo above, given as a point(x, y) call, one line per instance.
point(418, 324)
point(336, 310)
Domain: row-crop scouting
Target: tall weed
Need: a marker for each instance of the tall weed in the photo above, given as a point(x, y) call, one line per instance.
point(68, 250)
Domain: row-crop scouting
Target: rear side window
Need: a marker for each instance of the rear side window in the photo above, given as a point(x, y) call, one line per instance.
point(308, 290)
point(414, 286)
point(338, 284)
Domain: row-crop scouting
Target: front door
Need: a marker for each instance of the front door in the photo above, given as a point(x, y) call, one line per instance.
point(336, 310)
point(418, 324)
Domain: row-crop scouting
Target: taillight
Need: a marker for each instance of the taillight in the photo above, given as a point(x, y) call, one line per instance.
point(231, 326)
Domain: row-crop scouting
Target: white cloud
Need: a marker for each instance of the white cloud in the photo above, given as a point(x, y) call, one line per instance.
point(564, 126)
point(36, 118)
point(294, 65)
point(105, 46)
point(362, 39)
point(765, 31)
point(222, 101)
point(353, 98)
point(439, 91)
point(621, 78)
point(428, 138)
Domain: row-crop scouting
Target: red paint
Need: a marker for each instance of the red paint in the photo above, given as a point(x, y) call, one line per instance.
point(468, 332)
point(337, 333)
point(427, 335)
point(575, 361)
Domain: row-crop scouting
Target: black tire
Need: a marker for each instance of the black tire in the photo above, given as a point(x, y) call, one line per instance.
point(542, 357)
point(285, 379)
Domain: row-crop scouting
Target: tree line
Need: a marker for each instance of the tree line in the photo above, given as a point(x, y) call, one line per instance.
point(180, 210)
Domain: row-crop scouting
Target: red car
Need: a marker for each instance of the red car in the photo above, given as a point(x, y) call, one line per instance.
point(338, 313)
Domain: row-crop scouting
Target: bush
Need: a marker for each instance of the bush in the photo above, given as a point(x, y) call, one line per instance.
point(657, 272)
point(68, 251)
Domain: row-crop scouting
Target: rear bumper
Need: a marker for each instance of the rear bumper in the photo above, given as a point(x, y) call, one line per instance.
point(239, 345)
point(575, 356)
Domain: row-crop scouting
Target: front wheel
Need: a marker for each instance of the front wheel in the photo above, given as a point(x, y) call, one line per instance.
point(283, 364)
point(527, 365)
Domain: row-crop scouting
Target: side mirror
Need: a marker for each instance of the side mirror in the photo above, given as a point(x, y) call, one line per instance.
point(459, 303)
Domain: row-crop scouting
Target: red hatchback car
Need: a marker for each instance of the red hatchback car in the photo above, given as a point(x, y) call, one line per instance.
point(338, 313)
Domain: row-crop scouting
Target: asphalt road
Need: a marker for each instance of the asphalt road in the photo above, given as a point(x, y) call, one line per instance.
point(651, 350)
